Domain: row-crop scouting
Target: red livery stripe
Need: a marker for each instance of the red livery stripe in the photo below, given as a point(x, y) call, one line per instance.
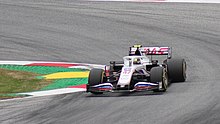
point(79, 86)
point(65, 65)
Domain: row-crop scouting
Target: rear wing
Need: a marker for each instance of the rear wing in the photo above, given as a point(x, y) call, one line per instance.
point(151, 51)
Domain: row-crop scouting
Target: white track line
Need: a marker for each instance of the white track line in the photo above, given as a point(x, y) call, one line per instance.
point(194, 1)
point(46, 93)
point(54, 92)
point(173, 1)
point(82, 65)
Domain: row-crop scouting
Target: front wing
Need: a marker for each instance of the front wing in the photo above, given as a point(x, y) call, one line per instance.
point(140, 86)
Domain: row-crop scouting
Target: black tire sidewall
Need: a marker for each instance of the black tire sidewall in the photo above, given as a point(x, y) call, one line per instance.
point(157, 75)
point(95, 77)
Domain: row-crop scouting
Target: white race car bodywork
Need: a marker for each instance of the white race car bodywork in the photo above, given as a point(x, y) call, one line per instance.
point(130, 67)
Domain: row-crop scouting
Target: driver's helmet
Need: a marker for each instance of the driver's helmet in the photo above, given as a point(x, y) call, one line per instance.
point(137, 61)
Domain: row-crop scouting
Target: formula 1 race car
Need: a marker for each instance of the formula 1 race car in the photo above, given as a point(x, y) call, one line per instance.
point(140, 71)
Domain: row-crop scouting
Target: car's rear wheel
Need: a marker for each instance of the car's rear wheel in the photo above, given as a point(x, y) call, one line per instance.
point(159, 74)
point(176, 70)
point(96, 77)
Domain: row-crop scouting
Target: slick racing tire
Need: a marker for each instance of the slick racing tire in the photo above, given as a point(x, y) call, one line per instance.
point(159, 74)
point(176, 70)
point(96, 77)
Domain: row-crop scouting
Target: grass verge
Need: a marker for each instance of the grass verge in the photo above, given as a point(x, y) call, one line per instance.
point(12, 82)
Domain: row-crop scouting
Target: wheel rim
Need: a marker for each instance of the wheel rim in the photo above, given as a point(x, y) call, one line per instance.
point(184, 70)
point(165, 80)
point(102, 77)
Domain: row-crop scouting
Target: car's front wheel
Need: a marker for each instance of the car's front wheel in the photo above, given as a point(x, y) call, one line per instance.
point(159, 74)
point(96, 77)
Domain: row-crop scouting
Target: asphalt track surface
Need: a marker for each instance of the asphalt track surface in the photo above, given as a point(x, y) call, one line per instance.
point(96, 32)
